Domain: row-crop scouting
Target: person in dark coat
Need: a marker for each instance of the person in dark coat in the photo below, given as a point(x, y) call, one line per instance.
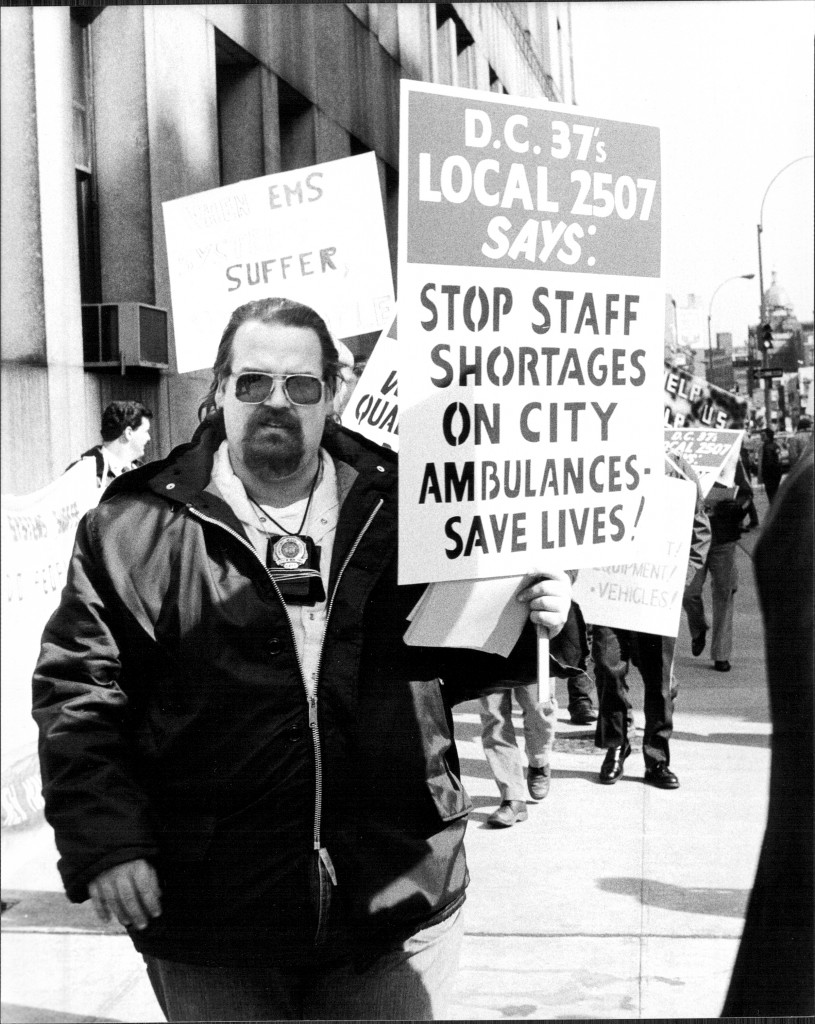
point(727, 508)
point(615, 650)
point(242, 760)
point(769, 463)
point(774, 974)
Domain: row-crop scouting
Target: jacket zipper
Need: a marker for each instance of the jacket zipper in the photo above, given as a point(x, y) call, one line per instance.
point(318, 758)
point(321, 851)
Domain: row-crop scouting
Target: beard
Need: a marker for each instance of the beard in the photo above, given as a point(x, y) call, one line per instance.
point(273, 453)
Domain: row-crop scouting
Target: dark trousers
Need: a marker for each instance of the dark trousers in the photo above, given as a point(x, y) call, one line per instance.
point(613, 652)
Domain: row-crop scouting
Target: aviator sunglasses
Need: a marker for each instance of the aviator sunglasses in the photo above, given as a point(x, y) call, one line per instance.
point(299, 388)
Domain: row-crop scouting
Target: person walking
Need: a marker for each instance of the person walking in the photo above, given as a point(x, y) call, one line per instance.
point(125, 430)
point(504, 756)
point(726, 514)
point(615, 650)
point(241, 759)
point(800, 440)
point(769, 463)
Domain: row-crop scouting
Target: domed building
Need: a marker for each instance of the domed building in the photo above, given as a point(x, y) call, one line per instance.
point(788, 338)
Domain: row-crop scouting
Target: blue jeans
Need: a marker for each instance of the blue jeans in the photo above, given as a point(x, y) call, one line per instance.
point(409, 981)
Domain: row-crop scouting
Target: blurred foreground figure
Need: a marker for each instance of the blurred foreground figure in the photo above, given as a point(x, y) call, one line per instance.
point(774, 974)
point(242, 760)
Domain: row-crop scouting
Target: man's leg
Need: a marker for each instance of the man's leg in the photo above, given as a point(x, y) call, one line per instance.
point(654, 659)
point(500, 745)
point(411, 982)
point(207, 993)
point(581, 703)
point(610, 653)
point(540, 721)
point(724, 583)
point(694, 607)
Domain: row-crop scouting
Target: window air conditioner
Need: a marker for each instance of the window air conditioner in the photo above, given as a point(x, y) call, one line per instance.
point(125, 334)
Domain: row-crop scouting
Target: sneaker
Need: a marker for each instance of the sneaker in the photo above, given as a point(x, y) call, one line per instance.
point(538, 781)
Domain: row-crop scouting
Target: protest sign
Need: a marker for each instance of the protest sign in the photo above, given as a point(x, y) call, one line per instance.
point(373, 409)
point(712, 453)
point(37, 533)
point(316, 235)
point(644, 593)
point(531, 319)
point(692, 402)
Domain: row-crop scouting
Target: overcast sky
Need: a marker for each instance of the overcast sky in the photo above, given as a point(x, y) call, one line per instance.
point(730, 84)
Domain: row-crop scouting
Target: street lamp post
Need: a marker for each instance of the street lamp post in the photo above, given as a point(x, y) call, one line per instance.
point(762, 312)
point(736, 277)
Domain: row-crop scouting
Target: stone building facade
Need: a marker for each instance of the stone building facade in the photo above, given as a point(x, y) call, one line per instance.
point(110, 110)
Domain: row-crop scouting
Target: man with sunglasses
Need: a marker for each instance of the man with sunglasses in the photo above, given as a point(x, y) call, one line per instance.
point(242, 760)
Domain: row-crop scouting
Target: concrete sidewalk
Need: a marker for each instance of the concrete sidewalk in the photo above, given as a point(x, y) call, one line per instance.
point(608, 902)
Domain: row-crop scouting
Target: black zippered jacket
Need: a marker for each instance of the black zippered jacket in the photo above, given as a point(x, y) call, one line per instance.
point(175, 726)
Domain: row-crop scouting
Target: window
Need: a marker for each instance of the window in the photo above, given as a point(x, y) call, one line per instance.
point(87, 215)
point(495, 82)
point(296, 116)
point(456, 43)
point(240, 115)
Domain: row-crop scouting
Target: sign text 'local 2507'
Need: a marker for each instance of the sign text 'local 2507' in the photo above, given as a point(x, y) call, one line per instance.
point(537, 188)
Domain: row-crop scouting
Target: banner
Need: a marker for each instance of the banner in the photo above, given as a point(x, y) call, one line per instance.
point(373, 409)
point(531, 322)
point(37, 533)
point(693, 402)
point(645, 593)
point(316, 235)
point(712, 453)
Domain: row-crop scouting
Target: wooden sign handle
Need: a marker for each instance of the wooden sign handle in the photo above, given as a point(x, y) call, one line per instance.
point(544, 682)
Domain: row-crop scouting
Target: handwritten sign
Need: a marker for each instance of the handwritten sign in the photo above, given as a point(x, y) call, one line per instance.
point(316, 235)
point(530, 334)
point(712, 453)
point(37, 538)
point(373, 409)
point(644, 593)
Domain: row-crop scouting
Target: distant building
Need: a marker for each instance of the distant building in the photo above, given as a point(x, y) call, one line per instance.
point(792, 353)
point(110, 110)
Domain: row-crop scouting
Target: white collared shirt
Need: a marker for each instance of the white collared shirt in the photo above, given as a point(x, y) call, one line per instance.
point(307, 621)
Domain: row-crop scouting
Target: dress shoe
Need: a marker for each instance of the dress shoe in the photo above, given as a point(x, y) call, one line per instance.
point(583, 714)
point(721, 666)
point(697, 644)
point(537, 781)
point(507, 814)
point(662, 776)
point(612, 767)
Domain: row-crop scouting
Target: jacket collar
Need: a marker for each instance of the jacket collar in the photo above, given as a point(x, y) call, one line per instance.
point(365, 472)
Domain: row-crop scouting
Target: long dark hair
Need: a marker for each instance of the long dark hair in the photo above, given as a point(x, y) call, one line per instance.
point(269, 311)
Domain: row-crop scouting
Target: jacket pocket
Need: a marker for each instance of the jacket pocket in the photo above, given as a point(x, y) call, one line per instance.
point(449, 796)
point(446, 791)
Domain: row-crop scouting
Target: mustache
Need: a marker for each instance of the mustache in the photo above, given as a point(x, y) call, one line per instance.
point(265, 417)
